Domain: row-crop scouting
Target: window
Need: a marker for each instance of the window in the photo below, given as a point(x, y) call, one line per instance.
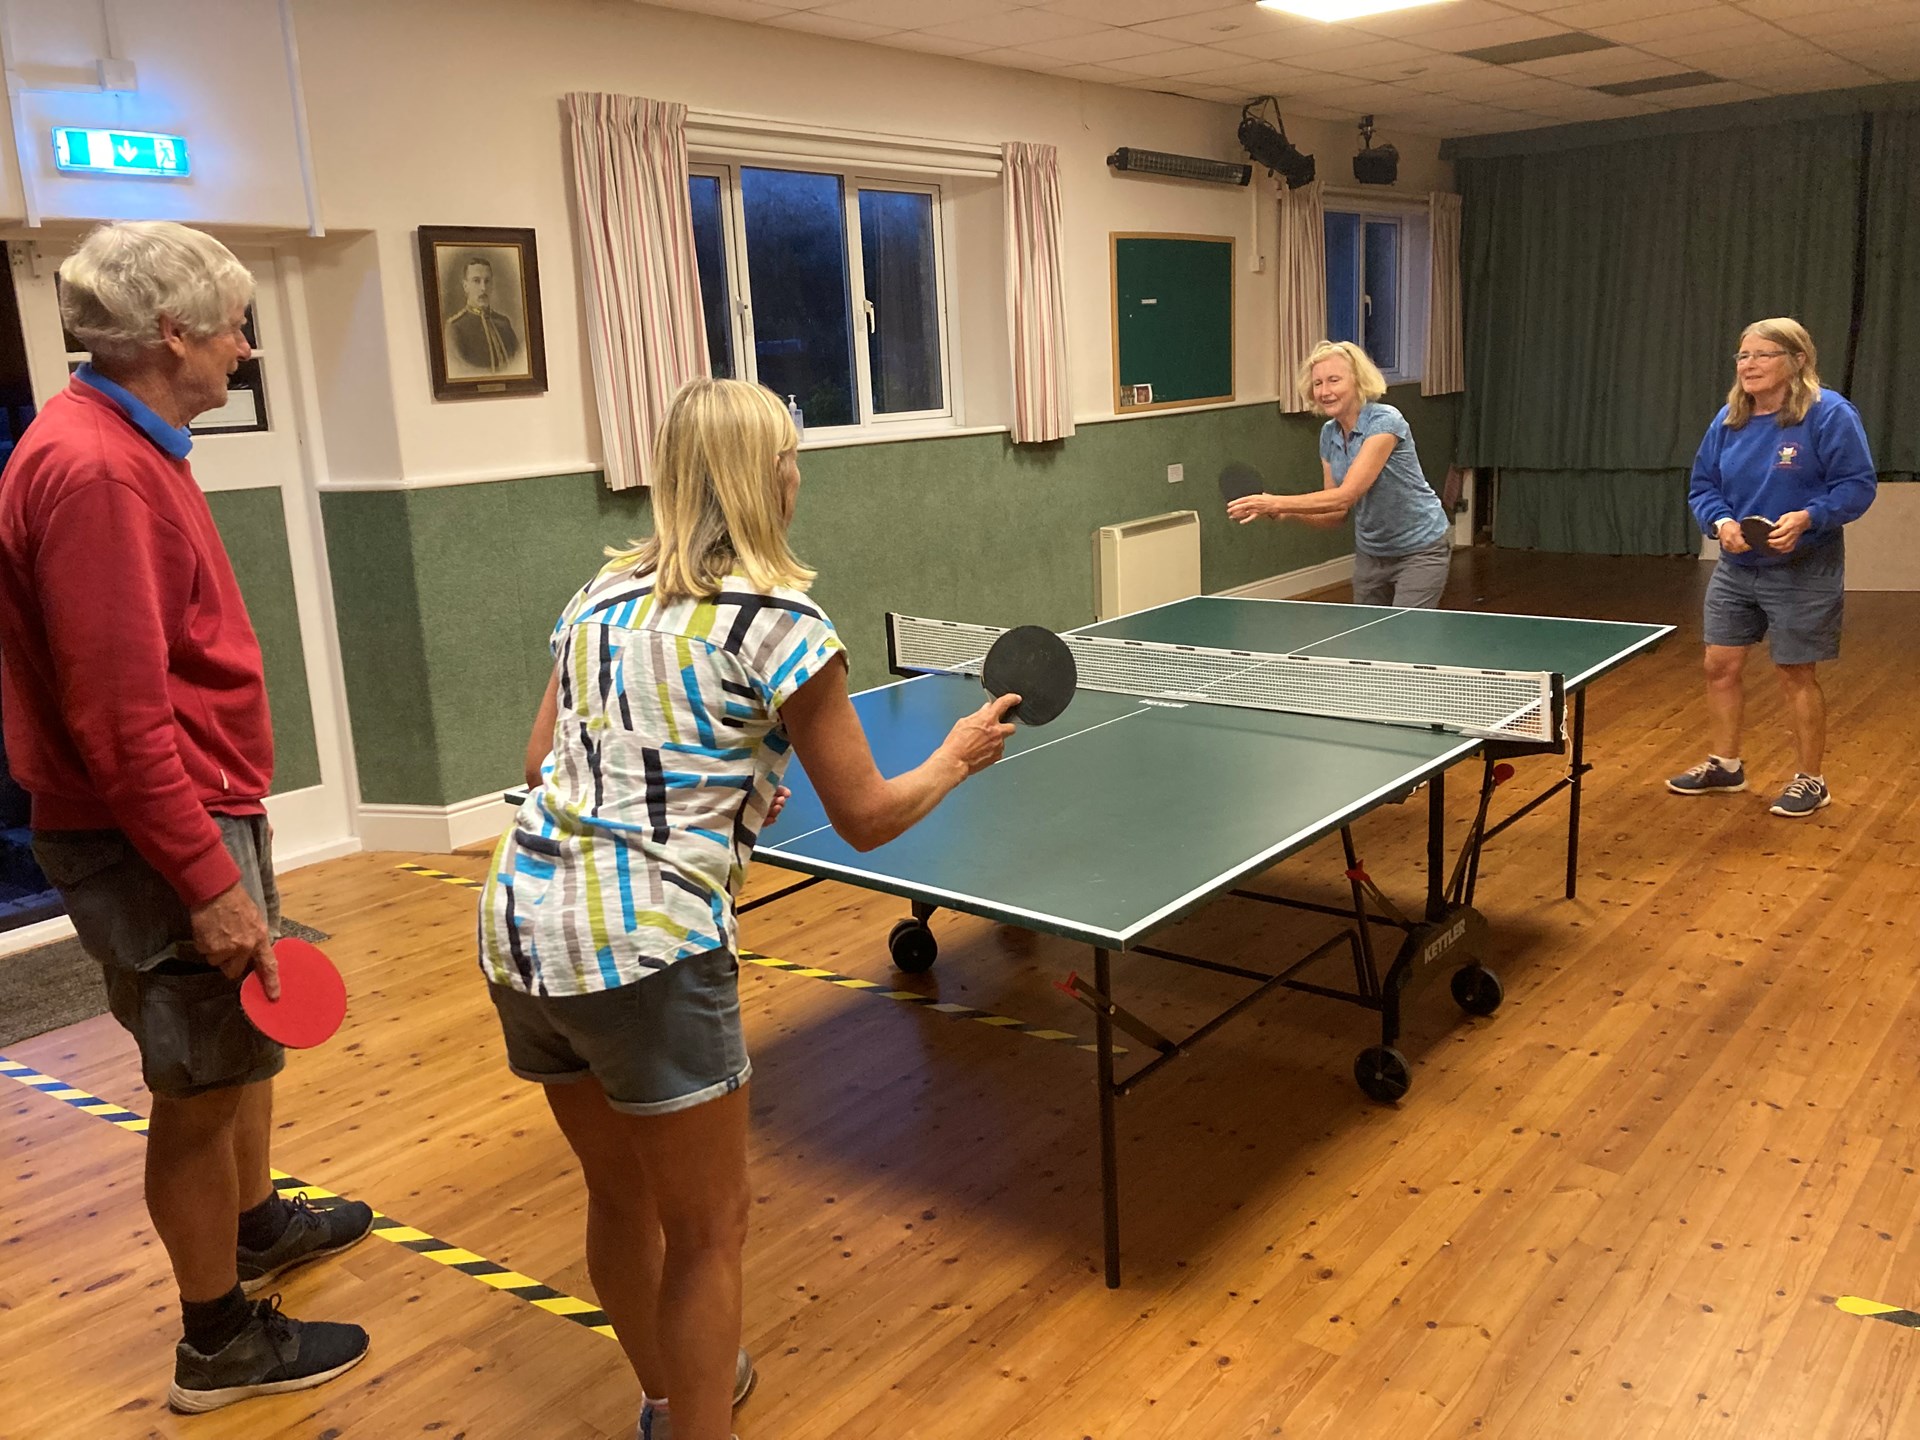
point(827, 288)
point(1377, 287)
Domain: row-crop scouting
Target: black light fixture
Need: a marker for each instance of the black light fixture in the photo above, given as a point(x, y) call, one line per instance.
point(1268, 144)
point(1374, 165)
point(1179, 167)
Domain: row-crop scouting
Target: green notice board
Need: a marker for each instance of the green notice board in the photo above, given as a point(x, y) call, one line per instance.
point(1172, 320)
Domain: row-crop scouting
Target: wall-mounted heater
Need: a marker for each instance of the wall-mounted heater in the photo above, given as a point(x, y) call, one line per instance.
point(1179, 167)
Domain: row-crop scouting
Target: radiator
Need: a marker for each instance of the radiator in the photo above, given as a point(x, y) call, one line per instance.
point(1145, 562)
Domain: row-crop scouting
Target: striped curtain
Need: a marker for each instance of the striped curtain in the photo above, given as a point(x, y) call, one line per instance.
point(1036, 293)
point(634, 223)
point(1446, 372)
point(1303, 286)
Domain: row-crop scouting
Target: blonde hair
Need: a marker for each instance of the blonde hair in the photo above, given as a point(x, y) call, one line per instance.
point(125, 276)
point(717, 501)
point(1802, 390)
point(1366, 375)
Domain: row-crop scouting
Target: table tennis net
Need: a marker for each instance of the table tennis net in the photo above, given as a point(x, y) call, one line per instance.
point(1519, 705)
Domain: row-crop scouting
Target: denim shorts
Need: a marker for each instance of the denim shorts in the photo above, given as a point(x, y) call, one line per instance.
point(1412, 581)
point(184, 1015)
point(666, 1042)
point(1796, 607)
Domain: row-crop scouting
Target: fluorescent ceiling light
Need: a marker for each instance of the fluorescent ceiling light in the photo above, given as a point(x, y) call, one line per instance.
point(1334, 10)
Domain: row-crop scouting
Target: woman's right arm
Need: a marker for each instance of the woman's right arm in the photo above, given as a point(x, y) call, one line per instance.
point(866, 808)
point(540, 741)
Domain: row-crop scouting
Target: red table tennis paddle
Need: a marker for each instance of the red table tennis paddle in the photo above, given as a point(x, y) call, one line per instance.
point(313, 997)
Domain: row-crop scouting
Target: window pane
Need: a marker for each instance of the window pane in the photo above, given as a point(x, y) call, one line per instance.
point(802, 315)
point(1343, 276)
point(1383, 295)
point(896, 246)
point(710, 256)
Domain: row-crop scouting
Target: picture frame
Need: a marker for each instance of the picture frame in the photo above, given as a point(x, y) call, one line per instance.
point(481, 288)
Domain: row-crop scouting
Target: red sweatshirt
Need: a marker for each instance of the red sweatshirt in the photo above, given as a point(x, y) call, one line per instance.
point(130, 678)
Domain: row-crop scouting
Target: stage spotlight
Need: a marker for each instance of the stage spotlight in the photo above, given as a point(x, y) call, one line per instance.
point(1374, 165)
point(1268, 144)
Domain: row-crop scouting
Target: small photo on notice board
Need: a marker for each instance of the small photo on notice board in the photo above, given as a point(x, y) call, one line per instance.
point(1172, 320)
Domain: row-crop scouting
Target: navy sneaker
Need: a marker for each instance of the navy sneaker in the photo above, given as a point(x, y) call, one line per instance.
point(273, 1355)
point(1804, 795)
point(658, 1424)
point(312, 1231)
point(1709, 777)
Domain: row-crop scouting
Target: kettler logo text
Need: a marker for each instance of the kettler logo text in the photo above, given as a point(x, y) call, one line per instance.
point(1444, 941)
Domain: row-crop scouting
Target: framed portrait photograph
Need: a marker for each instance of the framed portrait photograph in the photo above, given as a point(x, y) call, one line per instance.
point(482, 292)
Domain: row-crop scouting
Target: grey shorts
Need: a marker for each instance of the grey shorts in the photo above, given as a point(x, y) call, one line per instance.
point(1797, 607)
point(183, 1014)
point(666, 1042)
point(1412, 581)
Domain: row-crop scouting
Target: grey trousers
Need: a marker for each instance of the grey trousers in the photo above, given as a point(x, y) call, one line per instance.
point(1413, 581)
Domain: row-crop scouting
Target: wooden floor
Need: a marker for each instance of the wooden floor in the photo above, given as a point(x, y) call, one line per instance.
point(1622, 1207)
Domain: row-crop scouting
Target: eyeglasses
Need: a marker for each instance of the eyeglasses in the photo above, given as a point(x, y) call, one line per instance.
point(1741, 357)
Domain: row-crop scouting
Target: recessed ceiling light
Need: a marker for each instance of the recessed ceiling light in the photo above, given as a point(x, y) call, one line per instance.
point(1334, 10)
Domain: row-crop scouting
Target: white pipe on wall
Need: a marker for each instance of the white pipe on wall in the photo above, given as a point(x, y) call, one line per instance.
point(303, 137)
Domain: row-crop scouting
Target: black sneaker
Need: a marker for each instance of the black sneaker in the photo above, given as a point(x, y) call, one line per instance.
point(273, 1355)
point(312, 1232)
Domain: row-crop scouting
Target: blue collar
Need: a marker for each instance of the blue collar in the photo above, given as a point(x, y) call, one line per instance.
point(175, 440)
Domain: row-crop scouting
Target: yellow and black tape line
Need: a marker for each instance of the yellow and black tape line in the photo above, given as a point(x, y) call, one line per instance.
point(497, 1277)
point(1874, 1310)
point(442, 876)
point(851, 982)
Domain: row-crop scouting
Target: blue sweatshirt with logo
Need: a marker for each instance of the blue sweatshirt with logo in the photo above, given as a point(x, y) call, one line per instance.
point(1821, 466)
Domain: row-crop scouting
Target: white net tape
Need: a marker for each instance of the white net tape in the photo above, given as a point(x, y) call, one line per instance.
point(1508, 704)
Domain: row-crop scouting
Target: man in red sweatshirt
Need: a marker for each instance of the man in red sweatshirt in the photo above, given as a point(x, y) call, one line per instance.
point(136, 716)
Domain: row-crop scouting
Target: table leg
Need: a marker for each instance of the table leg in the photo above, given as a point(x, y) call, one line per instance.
point(1109, 1164)
point(1576, 769)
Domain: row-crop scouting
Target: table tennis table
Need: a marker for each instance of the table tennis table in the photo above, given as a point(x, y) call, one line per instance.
point(1131, 812)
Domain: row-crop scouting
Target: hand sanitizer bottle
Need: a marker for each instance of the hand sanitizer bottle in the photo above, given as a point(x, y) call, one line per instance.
point(799, 417)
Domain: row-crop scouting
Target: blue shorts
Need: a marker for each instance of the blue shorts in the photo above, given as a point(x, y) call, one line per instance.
point(665, 1042)
point(1796, 607)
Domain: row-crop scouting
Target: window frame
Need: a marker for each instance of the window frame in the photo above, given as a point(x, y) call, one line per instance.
point(740, 288)
point(1416, 263)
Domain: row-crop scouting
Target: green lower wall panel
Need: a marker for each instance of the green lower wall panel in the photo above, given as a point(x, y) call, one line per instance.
point(445, 597)
point(253, 527)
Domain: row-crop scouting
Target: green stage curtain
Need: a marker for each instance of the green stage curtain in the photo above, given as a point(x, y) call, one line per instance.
point(1595, 512)
point(1605, 290)
point(1886, 370)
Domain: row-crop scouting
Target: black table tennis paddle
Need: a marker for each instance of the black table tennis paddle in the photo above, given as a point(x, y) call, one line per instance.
point(1237, 480)
point(1034, 663)
point(1755, 529)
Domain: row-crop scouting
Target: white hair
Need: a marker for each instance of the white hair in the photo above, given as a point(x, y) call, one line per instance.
point(125, 276)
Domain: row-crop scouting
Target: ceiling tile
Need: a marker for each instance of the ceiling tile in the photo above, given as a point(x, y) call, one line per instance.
point(1095, 74)
point(1369, 53)
point(1213, 27)
point(1656, 28)
point(1510, 31)
point(911, 14)
point(728, 9)
point(1100, 48)
point(1180, 60)
point(935, 44)
point(1015, 27)
point(1593, 13)
point(816, 24)
point(1129, 12)
point(1600, 67)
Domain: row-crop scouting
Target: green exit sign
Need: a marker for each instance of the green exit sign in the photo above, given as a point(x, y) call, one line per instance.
point(119, 152)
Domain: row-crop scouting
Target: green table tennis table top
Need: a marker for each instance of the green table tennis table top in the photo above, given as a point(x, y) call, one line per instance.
point(1125, 814)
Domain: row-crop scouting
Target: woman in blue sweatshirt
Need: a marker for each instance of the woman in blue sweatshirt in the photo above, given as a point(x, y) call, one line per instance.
point(1785, 450)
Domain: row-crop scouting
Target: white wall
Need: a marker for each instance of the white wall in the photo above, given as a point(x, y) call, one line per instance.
point(444, 113)
point(213, 71)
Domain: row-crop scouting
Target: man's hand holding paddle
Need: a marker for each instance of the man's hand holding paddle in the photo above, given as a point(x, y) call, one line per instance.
point(231, 935)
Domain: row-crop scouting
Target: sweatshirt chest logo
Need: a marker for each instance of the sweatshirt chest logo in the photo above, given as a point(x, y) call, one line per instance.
point(1788, 455)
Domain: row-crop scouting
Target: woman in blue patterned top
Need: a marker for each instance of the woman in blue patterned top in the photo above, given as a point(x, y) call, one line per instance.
point(1369, 469)
point(684, 673)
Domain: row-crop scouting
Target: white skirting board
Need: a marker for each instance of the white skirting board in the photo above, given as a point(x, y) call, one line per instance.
point(1296, 582)
point(433, 829)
